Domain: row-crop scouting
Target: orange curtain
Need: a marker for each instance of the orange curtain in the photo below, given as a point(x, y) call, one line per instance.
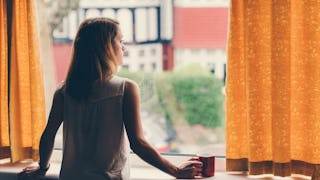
point(26, 91)
point(4, 135)
point(273, 87)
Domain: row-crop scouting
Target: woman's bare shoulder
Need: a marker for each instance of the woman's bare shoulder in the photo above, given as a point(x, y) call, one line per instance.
point(131, 87)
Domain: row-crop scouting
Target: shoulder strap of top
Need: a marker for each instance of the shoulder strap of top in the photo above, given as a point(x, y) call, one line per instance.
point(107, 88)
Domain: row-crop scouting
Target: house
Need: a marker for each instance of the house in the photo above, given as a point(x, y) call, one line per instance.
point(160, 35)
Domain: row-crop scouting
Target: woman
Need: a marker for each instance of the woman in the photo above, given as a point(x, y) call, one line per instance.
point(99, 111)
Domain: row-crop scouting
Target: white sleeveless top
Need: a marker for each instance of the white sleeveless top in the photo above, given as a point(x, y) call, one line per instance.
point(95, 142)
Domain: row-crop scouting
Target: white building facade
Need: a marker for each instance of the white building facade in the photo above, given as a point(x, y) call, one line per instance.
point(146, 26)
point(208, 51)
point(148, 29)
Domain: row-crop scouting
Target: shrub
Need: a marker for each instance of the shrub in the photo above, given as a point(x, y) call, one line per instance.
point(199, 99)
point(188, 95)
point(144, 80)
point(191, 94)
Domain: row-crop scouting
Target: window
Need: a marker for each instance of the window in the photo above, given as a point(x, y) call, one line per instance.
point(154, 66)
point(212, 67)
point(141, 67)
point(153, 52)
point(195, 51)
point(174, 119)
point(141, 53)
point(125, 67)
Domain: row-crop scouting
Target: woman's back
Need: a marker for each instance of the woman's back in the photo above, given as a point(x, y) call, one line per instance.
point(95, 142)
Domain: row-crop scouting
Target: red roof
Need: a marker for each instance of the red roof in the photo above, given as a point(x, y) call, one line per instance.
point(200, 27)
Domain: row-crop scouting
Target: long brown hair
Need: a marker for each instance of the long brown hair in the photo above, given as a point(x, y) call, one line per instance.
point(92, 57)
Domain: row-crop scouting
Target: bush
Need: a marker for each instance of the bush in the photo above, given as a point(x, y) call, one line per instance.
point(148, 95)
point(191, 94)
point(144, 80)
point(188, 95)
point(199, 99)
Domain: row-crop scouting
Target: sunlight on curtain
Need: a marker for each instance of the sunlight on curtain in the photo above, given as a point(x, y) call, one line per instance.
point(273, 87)
point(4, 135)
point(27, 107)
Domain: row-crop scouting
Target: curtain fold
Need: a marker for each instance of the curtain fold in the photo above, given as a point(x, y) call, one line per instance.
point(4, 135)
point(26, 92)
point(273, 87)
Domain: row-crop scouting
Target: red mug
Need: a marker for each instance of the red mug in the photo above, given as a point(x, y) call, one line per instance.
point(208, 161)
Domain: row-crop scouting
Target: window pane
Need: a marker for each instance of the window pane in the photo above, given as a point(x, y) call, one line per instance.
point(177, 58)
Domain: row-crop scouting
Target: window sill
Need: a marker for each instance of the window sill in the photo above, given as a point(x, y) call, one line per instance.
point(143, 171)
point(139, 169)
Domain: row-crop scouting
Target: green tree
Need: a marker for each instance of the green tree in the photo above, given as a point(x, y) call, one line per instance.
point(192, 95)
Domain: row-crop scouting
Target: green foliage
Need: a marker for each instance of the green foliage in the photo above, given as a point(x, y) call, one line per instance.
point(144, 80)
point(135, 76)
point(199, 98)
point(192, 94)
point(192, 69)
point(149, 97)
point(166, 98)
point(188, 95)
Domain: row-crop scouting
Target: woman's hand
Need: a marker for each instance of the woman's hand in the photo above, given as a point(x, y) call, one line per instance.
point(190, 169)
point(31, 173)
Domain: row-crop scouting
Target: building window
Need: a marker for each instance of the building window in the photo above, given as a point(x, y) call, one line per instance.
point(153, 51)
point(195, 51)
point(141, 67)
point(154, 66)
point(141, 53)
point(212, 67)
point(125, 67)
point(210, 51)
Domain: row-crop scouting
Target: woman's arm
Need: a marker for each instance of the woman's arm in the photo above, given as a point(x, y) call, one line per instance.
point(47, 139)
point(49, 134)
point(131, 114)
